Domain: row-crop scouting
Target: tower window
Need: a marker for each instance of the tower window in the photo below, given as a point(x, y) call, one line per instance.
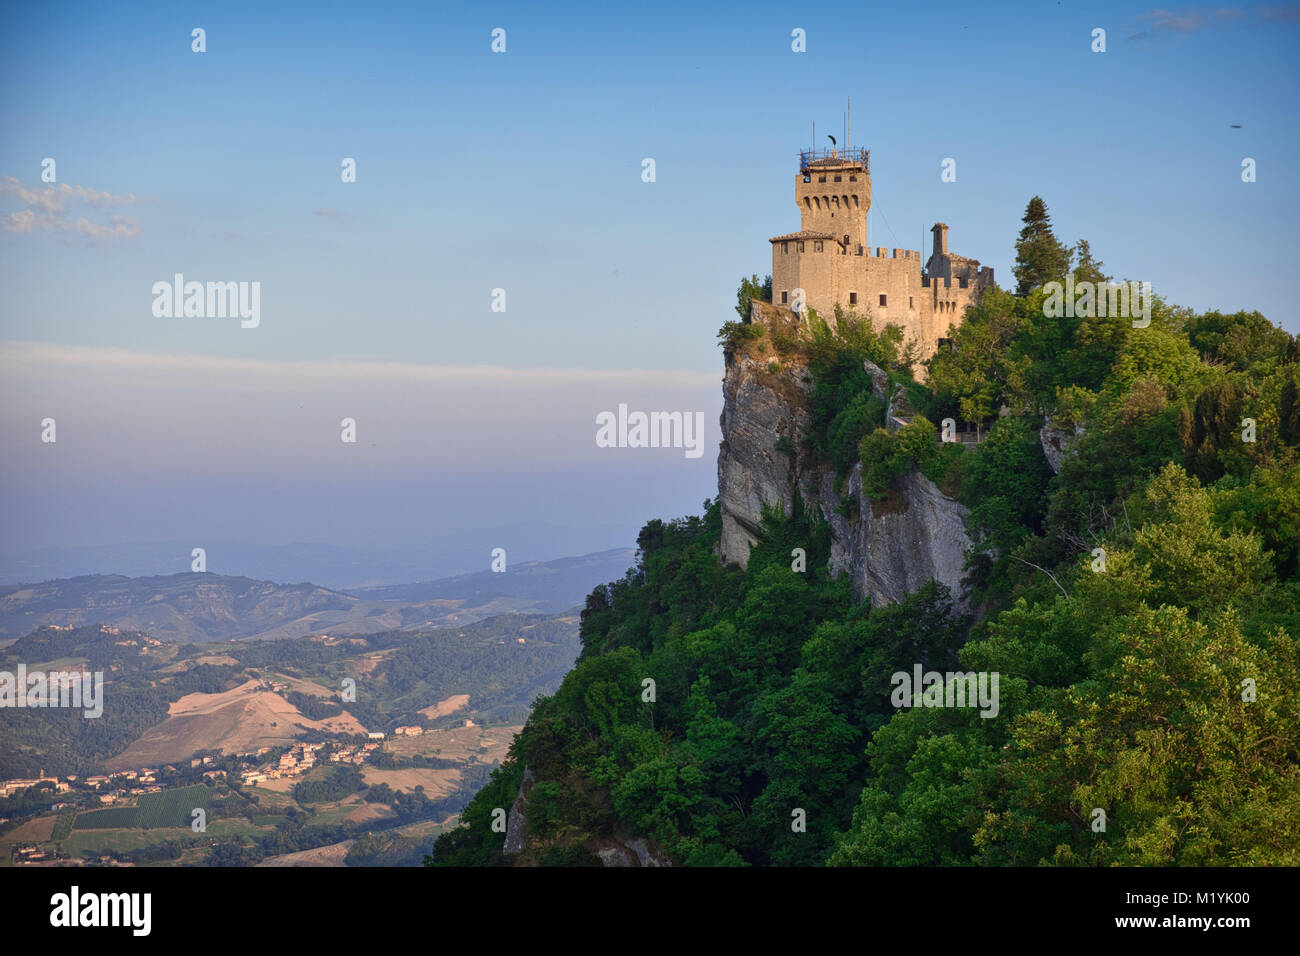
point(909, 303)
point(801, 245)
point(853, 178)
point(817, 246)
point(838, 178)
point(785, 248)
point(783, 295)
point(853, 298)
point(821, 179)
point(882, 300)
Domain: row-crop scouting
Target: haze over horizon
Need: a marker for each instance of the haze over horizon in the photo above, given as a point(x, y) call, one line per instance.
point(376, 295)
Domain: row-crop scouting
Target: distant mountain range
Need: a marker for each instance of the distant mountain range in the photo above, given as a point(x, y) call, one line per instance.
point(330, 566)
point(192, 607)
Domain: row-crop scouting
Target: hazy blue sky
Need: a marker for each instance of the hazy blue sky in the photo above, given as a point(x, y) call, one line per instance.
point(522, 171)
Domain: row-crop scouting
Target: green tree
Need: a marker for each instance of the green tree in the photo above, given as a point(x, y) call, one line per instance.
point(1289, 408)
point(1040, 256)
point(752, 288)
point(1086, 268)
point(1210, 431)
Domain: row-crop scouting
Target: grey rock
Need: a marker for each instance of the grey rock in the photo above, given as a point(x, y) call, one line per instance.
point(887, 554)
point(643, 854)
point(900, 411)
point(879, 380)
point(614, 856)
point(1056, 443)
point(516, 819)
point(751, 470)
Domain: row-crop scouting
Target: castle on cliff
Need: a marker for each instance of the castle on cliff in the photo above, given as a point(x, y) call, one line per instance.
point(827, 262)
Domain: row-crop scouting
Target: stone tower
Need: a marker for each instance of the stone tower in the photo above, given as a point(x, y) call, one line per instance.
point(833, 194)
point(827, 262)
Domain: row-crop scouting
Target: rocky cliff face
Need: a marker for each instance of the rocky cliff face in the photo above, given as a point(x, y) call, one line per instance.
point(887, 551)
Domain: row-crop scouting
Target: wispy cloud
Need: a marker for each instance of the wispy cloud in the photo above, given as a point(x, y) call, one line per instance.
point(1289, 13)
point(322, 372)
point(1160, 21)
point(1174, 22)
point(334, 215)
point(54, 208)
point(119, 227)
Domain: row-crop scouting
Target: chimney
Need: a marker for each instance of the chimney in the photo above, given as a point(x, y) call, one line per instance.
point(940, 230)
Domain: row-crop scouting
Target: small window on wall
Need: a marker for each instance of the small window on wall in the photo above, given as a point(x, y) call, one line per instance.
point(909, 303)
point(821, 179)
point(783, 299)
point(801, 245)
point(852, 178)
point(853, 298)
point(785, 248)
point(882, 301)
point(838, 178)
point(817, 246)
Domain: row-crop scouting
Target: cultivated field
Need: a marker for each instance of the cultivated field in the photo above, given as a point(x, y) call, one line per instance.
point(33, 831)
point(449, 706)
point(456, 743)
point(331, 855)
point(243, 718)
point(436, 783)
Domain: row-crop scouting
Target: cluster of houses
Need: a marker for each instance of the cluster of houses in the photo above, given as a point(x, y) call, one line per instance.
point(143, 643)
point(144, 780)
point(301, 758)
point(9, 787)
point(29, 855)
point(128, 783)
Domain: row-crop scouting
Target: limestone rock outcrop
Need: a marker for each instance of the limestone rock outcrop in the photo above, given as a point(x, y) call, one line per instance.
point(516, 819)
point(1056, 443)
point(888, 549)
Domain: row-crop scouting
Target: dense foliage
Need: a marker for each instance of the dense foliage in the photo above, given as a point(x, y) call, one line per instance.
point(1141, 608)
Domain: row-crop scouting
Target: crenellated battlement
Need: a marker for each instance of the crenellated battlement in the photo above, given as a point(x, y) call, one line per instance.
point(948, 282)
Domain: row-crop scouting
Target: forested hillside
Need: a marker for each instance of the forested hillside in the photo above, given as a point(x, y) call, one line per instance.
point(1140, 607)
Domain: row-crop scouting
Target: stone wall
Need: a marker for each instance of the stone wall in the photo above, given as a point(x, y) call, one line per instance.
point(840, 272)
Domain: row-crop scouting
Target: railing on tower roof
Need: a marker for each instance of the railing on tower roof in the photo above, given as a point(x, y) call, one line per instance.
point(854, 154)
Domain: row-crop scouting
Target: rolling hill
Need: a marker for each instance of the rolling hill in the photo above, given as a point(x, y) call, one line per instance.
point(196, 608)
